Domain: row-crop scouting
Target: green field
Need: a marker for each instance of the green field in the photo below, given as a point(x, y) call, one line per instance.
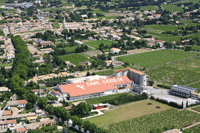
point(96, 43)
point(172, 8)
point(101, 99)
point(194, 129)
point(196, 48)
point(196, 109)
point(155, 58)
point(3, 1)
point(55, 25)
point(183, 72)
point(150, 7)
point(107, 72)
point(160, 28)
point(75, 58)
point(167, 118)
point(128, 111)
point(195, 85)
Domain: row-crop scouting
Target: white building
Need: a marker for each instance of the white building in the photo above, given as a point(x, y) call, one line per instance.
point(137, 76)
point(7, 124)
point(114, 50)
point(89, 89)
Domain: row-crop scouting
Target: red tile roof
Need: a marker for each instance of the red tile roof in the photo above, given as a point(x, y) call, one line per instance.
point(130, 69)
point(22, 101)
point(7, 113)
point(21, 130)
point(12, 121)
point(68, 107)
point(56, 91)
point(90, 87)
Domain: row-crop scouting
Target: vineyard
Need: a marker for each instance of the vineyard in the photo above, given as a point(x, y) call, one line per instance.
point(155, 58)
point(167, 118)
point(197, 109)
point(128, 111)
point(184, 72)
point(195, 129)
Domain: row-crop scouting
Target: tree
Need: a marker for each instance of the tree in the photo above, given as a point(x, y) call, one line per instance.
point(52, 98)
point(82, 108)
point(62, 113)
point(88, 73)
point(42, 102)
point(29, 106)
point(151, 83)
point(50, 109)
point(2, 81)
point(36, 131)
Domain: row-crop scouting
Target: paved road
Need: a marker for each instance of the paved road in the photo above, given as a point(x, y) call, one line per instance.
point(99, 113)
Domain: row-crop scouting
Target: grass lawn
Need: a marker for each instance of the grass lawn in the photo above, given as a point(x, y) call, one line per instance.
point(194, 129)
point(127, 112)
point(195, 48)
point(3, 1)
point(162, 28)
point(96, 43)
point(107, 72)
point(150, 7)
point(155, 58)
point(75, 58)
point(172, 8)
point(56, 25)
point(167, 118)
point(185, 72)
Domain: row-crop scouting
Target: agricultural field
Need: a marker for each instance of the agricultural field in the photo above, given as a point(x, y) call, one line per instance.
point(92, 52)
point(150, 7)
point(75, 58)
point(185, 72)
point(194, 129)
point(107, 72)
point(196, 85)
point(128, 111)
point(195, 48)
point(172, 8)
point(196, 109)
point(167, 118)
point(95, 44)
point(155, 58)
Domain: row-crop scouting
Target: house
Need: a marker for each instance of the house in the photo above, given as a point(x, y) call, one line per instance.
point(150, 44)
point(21, 130)
point(68, 64)
point(115, 50)
point(31, 118)
point(135, 33)
point(36, 91)
point(19, 103)
point(174, 42)
point(4, 89)
point(39, 61)
point(85, 63)
point(39, 112)
point(13, 97)
point(42, 86)
point(7, 124)
point(46, 50)
point(68, 107)
point(46, 43)
point(6, 113)
point(101, 105)
point(108, 62)
point(117, 63)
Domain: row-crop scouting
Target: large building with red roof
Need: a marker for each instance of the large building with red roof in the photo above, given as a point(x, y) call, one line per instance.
point(84, 90)
point(137, 76)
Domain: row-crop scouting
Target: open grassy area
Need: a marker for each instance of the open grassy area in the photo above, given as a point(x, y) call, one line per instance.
point(55, 25)
point(155, 58)
point(161, 28)
point(3, 1)
point(185, 72)
point(195, 48)
point(172, 8)
point(127, 112)
point(75, 58)
point(196, 85)
point(150, 7)
point(96, 43)
point(167, 118)
point(194, 129)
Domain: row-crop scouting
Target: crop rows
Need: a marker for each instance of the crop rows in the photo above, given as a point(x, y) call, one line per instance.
point(168, 118)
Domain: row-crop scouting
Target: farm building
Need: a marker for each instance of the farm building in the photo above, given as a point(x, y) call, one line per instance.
point(182, 91)
point(134, 75)
point(89, 89)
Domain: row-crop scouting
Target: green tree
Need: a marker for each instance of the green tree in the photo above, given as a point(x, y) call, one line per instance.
point(50, 109)
point(29, 106)
point(62, 113)
point(42, 102)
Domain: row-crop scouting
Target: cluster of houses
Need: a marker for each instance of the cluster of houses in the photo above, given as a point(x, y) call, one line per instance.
point(8, 48)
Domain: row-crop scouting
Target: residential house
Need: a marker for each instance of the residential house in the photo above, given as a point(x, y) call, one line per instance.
point(19, 103)
point(46, 50)
point(115, 50)
point(7, 124)
point(31, 118)
point(6, 113)
point(4, 89)
point(108, 62)
point(150, 44)
point(85, 63)
point(46, 43)
point(117, 63)
point(36, 91)
point(21, 130)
